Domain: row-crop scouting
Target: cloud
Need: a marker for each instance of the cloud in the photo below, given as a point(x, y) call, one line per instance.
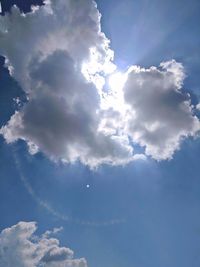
point(161, 114)
point(198, 106)
point(52, 232)
point(19, 246)
point(72, 26)
point(47, 50)
point(60, 57)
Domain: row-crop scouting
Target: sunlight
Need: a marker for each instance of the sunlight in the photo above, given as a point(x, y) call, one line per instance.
point(117, 81)
point(95, 70)
point(114, 97)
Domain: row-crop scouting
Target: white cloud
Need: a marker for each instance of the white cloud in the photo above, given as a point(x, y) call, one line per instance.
point(198, 106)
point(47, 50)
point(60, 57)
point(160, 112)
point(72, 26)
point(20, 247)
point(48, 233)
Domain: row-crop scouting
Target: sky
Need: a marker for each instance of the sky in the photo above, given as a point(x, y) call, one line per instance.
point(99, 133)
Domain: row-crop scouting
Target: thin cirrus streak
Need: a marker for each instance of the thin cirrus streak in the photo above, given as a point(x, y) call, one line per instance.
point(45, 205)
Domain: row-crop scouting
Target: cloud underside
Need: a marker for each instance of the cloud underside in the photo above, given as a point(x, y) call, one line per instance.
point(20, 247)
point(60, 57)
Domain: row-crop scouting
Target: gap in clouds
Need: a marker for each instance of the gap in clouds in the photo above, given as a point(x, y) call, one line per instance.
point(24, 6)
point(11, 95)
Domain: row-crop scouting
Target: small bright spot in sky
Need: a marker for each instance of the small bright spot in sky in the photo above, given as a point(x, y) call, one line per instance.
point(88, 186)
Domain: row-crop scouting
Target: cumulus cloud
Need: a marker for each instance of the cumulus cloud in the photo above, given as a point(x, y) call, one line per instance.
point(72, 26)
point(48, 51)
point(19, 246)
point(61, 118)
point(198, 106)
point(160, 112)
point(60, 57)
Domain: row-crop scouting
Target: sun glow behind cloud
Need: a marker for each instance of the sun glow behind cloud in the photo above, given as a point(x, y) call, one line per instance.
point(95, 70)
point(80, 106)
point(113, 96)
point(117, 81)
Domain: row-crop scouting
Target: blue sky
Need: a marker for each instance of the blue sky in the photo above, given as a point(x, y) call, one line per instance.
point(142, 214)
